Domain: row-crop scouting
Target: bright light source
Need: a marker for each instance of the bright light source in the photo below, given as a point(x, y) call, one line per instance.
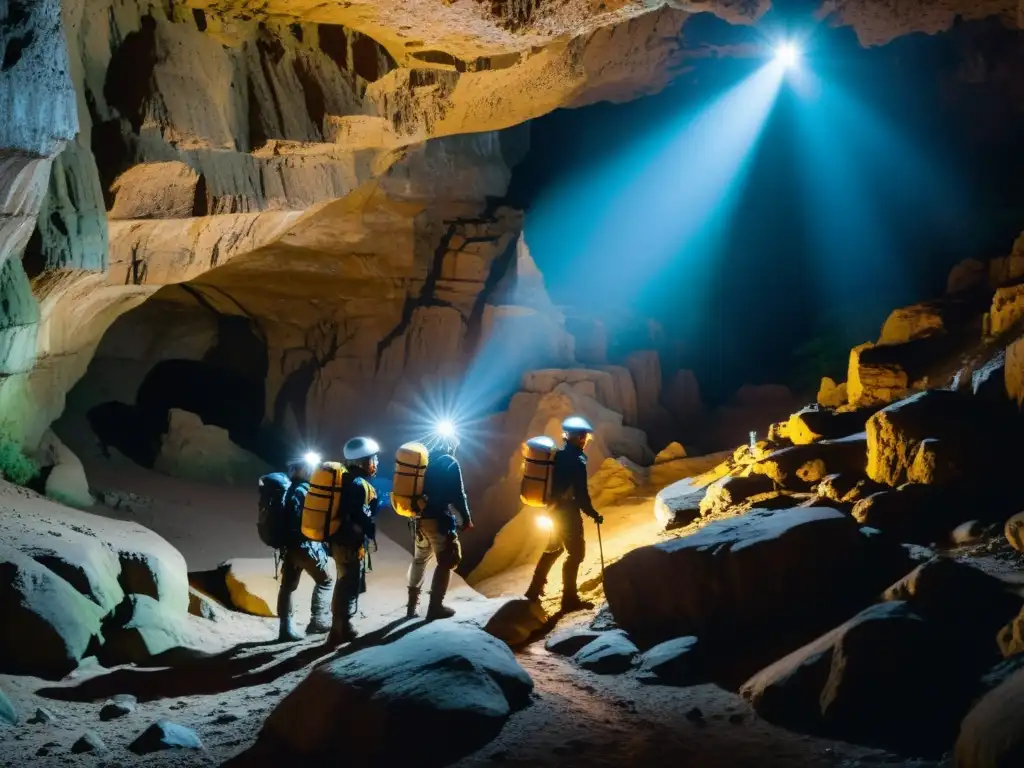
point(445, 428)
point(787, 55)
point(544, 523)
point(312, 459)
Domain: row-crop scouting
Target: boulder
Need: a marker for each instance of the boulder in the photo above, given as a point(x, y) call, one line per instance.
point(516, 621)
point(101, 561)
point(678, 505)
point(48, 625)
point(625, 392)
point(847, 488)
point(966, 276)
point(88, 743)
point(1013, 372)
point(8, 714)
point(914, 322)
point(66, 481)
point(201, 452)
point(163, 735)
point(916, 513)
point(959, 595)
point(859, 682)
point(970, 532)
point(724, 495)
point(666, 470)
point(876, 375)
point(970, 440)
point(1007, 308)
point(612, 482)
point(252, 585)
point(1010, 638)
point(607, 654)
point(992, 733)
point(568, 641)
point(989, 381)
point(150, 629)
point(430, 695)
point(814, 423)
point(801, 466)
point(1014, 531)
point(674, 662)
point(716, 580)
point(118, 706)
point(830, 394)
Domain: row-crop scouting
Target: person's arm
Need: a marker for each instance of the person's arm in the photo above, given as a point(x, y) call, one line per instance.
point(581, 491)
point(458, 494)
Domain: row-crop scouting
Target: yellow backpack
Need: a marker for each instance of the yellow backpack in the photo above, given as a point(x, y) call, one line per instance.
point(407, 484)
point(538, 471)
point(321, 512)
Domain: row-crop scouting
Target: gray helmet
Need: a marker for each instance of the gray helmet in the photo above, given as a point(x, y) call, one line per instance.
point(359, 448)
point(577, 424)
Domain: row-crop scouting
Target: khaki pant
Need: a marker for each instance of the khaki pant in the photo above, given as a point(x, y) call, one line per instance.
point(310, 558)
point(345, 603)
point(430, 543)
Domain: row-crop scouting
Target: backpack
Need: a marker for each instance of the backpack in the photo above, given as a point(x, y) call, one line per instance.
point(410, 473)
point(271, 523)
point(538, 471)
point(321, 509)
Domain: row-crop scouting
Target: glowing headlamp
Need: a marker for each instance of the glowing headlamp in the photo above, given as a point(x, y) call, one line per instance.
point(445, 428)
point(312, 459)
point(787, 55)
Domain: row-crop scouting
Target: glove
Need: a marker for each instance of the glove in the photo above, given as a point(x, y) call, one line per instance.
point(598, 519)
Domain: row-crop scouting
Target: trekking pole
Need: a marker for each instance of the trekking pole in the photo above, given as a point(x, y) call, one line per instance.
point(600, 549)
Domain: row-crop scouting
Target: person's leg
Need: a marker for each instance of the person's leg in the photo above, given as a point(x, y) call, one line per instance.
point(547, 560)
point(448, 551)
point(290, 573)
point(576, 548)
point(315, 560)
point(422, 553)
point(345, 594)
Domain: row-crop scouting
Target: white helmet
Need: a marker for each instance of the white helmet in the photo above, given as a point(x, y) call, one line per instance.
point(361, 448)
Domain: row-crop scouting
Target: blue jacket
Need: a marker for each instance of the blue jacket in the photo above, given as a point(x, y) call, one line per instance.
point(443, 485)
point(569, 485)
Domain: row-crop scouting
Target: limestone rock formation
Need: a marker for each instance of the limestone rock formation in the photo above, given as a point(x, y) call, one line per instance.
point(992, 733)
point(439, 691)
point(858, 681)
point(66, 481)
point(723, 565)
point(674, 662)
point(830, 394)
point(196, 451)
point(607, 654)
point(75, 579)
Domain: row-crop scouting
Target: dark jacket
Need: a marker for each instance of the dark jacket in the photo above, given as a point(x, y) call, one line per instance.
point(569, 484)
point(358, 510)
point(442, 485)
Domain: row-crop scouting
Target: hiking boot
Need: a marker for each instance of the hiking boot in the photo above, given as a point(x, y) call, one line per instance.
point(317, 626)
point(414, 599)
point(574, 603)
point(345, 634)
point(288, 633)
point(439, 611)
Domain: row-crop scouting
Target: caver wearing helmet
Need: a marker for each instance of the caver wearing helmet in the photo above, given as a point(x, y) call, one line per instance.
point(570, 497)
point(357, 530)
point(445, 512)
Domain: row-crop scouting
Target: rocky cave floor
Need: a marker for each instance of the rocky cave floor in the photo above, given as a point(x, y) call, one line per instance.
point(576, 717)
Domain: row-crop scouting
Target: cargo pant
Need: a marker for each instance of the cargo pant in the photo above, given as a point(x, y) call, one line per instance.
point(567, 535)
point(349, 562)
point(434, 539)
point(310, 558)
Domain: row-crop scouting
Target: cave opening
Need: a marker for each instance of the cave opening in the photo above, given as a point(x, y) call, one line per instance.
point(855, 198)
